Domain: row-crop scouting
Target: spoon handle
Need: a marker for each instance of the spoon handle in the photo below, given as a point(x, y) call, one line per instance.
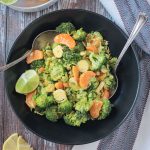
point(5, 67)
point(141, 20)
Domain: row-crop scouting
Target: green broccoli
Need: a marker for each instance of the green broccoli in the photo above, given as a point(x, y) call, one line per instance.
point(112, 62)
point(56, 72)
point(92, 95)
point(50, 100)
point(79, 47)
point(64, 78)
point(39, 111)
point(76, 118)
point(93, 84)
point(97, 60)
point(106, 109)
point(81, 95)
point(71, 94)
point(110, 82)
point(79, 35)
point(94, 38)
point(37, 64)
point(70, 58)
point(65, 27)
point(83, 105)
point(42, 101)
point(52, 113)
point(65, 107)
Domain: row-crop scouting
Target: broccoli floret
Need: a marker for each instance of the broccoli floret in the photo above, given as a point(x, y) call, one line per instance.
point(52, 113)
point(39, 111)
point(110, 82)
point(83, 105)
point(79, 47)
point(71, 94)
point(92, 95)
point(82, 95)
point(65, 107)
point(50, 100)
point(94, 39)
point(37, 64)
point(57, 71)
point(93, 84)
point(64, 78)
point(42, 101)
point(112, 62)
point(106, 109)
point(79, 35)
point(70, 58)
point(97, 60)
point(65, 27)
point(76, 118)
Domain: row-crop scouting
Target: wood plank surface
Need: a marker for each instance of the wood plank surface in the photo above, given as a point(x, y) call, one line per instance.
point(11, 25)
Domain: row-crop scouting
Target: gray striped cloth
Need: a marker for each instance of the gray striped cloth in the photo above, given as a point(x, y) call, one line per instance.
point(123, 138)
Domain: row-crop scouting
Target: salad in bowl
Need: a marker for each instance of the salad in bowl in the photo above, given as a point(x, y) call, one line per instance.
point(70, 78)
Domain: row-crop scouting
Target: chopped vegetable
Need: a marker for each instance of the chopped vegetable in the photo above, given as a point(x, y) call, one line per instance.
point(85, 79)
point(97, 61)
point(95, 109)
point(59, 95)
point(59, 85)
point(79, 35)
point(75, 71)
point(35, 55)
point(106, 94)
point(75, 118)
point(29, 100)
point(106, 109)
point(58, 51)
point(65, 39)
point(65, 27)
point(65, 107)
point(83, 65)
point(52, 113)
point(37, 64)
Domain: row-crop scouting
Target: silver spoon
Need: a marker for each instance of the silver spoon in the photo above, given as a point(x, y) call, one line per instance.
point(39, 42)
point(141, 20)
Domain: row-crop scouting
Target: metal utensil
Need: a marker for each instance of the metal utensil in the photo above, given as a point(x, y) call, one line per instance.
point(141, 20)
point(39, 42)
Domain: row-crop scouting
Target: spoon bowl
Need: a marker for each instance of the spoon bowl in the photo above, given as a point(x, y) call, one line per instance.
point(39, 42)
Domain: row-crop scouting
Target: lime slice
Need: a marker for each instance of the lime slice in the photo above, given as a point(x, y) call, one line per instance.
point(11, 142)
point(8, 2)
point(27, 82)
point(22, 144)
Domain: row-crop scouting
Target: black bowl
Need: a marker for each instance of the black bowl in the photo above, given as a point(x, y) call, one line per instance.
point(123, 101)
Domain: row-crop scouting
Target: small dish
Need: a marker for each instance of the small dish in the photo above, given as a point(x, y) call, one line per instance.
point(32, 5)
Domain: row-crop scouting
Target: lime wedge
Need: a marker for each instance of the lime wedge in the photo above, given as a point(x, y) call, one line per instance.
point(22, 144)
point(8, 2)
point(27, 82)
point(11, 142)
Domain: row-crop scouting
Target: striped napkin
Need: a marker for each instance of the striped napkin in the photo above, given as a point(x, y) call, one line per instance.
point(134, 133)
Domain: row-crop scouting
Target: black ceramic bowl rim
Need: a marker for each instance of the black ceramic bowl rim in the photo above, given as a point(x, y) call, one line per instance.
point(139, 76)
